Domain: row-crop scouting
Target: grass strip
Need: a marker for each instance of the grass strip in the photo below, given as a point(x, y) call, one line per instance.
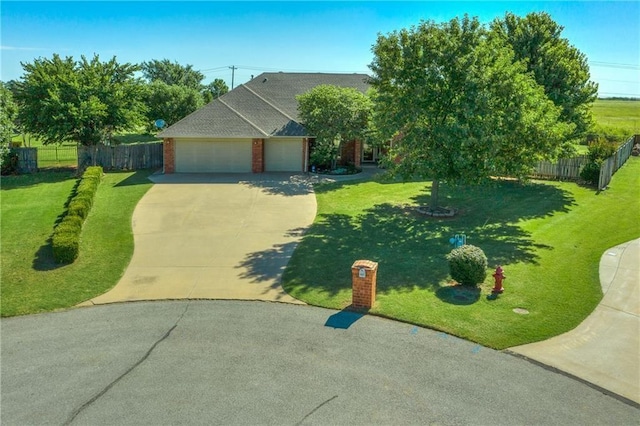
point(65, 242)
point(31, 281)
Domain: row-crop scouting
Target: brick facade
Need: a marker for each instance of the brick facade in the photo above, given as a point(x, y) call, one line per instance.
point(169, 154)
point(257, 155)
point(364, 288)
point(351, 153)
point(357, 152)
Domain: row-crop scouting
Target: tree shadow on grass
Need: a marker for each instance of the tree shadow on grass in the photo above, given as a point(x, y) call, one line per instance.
point(32, 179)
point(458, 294)
point(43, 260)
point(140, 177)
point(411, 248)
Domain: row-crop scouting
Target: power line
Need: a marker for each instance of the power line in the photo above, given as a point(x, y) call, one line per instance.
point(269, 69)
point(615, 65)
point(213, 69)
point(618, 81)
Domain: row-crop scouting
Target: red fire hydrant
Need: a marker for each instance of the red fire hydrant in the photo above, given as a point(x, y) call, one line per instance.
point(498, 276)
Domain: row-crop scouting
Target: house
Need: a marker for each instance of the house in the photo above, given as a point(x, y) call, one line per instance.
point(253, 128)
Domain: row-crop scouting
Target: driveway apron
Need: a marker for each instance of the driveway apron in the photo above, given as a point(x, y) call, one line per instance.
point(218, 236)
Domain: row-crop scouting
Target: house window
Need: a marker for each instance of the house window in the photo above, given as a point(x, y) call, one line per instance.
point(369, 154)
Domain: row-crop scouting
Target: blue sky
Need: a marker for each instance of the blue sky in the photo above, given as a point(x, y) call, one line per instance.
point(291, 36)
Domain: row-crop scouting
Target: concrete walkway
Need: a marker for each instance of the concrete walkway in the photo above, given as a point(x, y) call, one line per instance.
point(222, 236)
point(605, 348)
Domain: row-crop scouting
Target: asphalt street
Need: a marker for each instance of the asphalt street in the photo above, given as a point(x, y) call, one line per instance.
point(235, 362)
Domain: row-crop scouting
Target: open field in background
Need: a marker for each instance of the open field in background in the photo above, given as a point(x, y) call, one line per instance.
point(621, 116)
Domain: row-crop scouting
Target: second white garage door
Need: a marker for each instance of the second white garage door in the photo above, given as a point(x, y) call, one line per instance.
point(213, 156)
point(283, 155)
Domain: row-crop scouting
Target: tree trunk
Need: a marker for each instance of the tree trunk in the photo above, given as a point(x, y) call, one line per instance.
point(435, 189)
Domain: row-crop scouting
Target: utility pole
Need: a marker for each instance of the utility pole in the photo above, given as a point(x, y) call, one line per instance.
point(233, 71)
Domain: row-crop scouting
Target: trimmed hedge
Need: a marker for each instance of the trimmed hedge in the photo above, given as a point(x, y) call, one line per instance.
point(66, 236)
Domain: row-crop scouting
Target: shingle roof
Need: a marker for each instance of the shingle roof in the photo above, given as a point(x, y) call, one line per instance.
point(264, 106)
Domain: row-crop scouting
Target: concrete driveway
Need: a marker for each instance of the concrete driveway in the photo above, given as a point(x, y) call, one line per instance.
point(224, 236)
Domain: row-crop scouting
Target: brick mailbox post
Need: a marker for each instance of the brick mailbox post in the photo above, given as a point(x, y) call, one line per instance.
point(363, 277)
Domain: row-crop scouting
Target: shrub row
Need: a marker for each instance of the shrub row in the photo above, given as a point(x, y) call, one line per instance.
point(66, 236)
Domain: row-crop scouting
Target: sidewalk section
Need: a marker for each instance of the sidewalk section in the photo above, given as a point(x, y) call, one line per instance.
point(605, 348)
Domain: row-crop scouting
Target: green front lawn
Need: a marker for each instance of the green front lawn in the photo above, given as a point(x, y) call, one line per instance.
point(548, 236)
point(30, 280)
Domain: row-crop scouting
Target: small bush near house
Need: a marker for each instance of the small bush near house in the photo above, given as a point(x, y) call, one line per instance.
point(590, 173)
point(66, 237)
point(8, 161)
point(468, 265)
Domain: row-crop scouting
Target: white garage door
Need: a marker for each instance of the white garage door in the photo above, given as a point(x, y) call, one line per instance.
point(283, 155)
point(213, 156)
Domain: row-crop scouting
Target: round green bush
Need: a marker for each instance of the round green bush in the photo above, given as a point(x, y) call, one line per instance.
point(468, 265)
point(590, 173)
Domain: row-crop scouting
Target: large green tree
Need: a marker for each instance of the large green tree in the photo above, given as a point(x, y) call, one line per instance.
point(8, 114)
point(214, 90)
point(168, 78)
point(82, 101)
point(333, 115)
point(170, 102)
point(458, 108)
point(172, 73)
point(556, 65)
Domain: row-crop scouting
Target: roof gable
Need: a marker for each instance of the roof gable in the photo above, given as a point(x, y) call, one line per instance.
point(264, 106)
point(281, 89)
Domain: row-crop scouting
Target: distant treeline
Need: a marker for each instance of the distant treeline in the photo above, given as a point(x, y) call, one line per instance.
point(618, 98)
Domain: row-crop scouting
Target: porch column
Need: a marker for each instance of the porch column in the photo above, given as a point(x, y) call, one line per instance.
point(305, 155)
point(169, 155)
point(257, 155)
point(357, 152)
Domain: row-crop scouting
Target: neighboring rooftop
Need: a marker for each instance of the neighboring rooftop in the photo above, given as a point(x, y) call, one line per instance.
point(263, 107)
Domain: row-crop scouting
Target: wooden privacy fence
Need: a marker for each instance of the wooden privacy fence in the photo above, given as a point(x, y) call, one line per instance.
point(564, 169)
point(122, 157)
point(611, 165)
point(570, 168)
point(27, 159)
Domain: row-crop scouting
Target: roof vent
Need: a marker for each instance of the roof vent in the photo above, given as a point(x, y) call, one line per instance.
point(265, 80)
